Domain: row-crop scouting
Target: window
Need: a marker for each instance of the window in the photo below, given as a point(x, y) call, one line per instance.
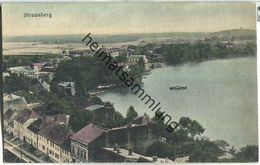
point(57, 155)
point(83, 155)
point(43, 147)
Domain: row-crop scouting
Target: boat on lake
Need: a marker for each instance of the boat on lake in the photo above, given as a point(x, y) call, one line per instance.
point(178, 87)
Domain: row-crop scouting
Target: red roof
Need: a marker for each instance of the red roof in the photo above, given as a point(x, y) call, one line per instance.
point(88, 133)
point(44, 72)
point(38, 64)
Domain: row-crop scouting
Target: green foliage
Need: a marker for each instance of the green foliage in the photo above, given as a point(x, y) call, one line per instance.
point(118, 120)
point(191, 127)
point(120, 59)
point(131, 114)
point(161, 150)
point(202, 50)
point(22, 60)
point(29, 97)
point(96, 100)
point(205, 151)
point(222, 144)
point(80, 118)
point(87, 73)
point(14, 83)
point(248, 153)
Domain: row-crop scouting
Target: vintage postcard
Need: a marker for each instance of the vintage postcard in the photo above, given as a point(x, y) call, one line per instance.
point(149, 82)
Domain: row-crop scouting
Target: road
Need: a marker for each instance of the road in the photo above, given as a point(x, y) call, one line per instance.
point(26, 156)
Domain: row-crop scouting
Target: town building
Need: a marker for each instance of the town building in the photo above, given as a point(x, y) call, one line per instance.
point(37, 66)
point(67, 88)
point(42, 123)
point(15, 102)
point(49, 67)
point(84, 141)
point(61, 119)
point(54, 141)
point(102, 113)
point(40, 87)
point(21, 121)
point(138, 135)
point(23, 70)
point(114, 52)
point(5, 74)
point(9, 120)
point(35, 127)
point(142, 120)
point(133, 59)
point(45, 76)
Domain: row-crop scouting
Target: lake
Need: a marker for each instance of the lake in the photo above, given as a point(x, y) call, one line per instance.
point(221, 96)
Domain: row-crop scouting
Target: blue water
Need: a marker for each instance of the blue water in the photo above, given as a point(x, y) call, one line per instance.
point(221, 96)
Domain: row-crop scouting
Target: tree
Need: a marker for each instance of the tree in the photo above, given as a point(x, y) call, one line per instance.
point(118, 120)
point(80, 118)
point(161, 150)
point(185, 122)
point(16, 82)
point(222, 144)
point(191, 126)
point(96, 100)
point(248, 153)
point(141, 65)
point(131, 114)
point(205, 151)
point(195, 129)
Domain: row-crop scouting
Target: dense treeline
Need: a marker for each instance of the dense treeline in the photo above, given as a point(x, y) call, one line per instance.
point(16, 82)
point(184, 141)
point(200, 51)
point(89, 72)
point(23, 60)
point(86, 72)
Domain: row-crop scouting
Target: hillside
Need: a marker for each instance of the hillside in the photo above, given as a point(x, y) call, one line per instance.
point(235, 34)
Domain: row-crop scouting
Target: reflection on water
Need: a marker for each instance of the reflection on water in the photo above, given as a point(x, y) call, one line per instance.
point(221, 95)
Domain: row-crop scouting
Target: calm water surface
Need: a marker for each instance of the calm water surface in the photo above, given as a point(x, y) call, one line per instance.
point(221, 95)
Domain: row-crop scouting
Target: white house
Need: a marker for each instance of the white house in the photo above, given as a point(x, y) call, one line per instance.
point(133, 59)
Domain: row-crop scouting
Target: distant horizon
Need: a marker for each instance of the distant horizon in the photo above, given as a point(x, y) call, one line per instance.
point(111, 18)
point(100, 34)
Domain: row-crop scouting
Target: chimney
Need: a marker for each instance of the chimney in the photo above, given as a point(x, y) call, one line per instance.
point(155, 158)
point(115, 147)
point(130, 152)
point(166, 160)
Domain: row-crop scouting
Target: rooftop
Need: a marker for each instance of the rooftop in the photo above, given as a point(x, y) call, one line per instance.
point(94, 107)
point(56, 118)
point(136, 56)
point(24, 115)
point(57, 134)
point(12, 97)
point(9, 114)
point(67, 84)
point(142, 120)
point(88, 133)
point(40, 124)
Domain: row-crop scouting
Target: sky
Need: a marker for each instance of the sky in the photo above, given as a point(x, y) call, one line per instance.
point(127, 17)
